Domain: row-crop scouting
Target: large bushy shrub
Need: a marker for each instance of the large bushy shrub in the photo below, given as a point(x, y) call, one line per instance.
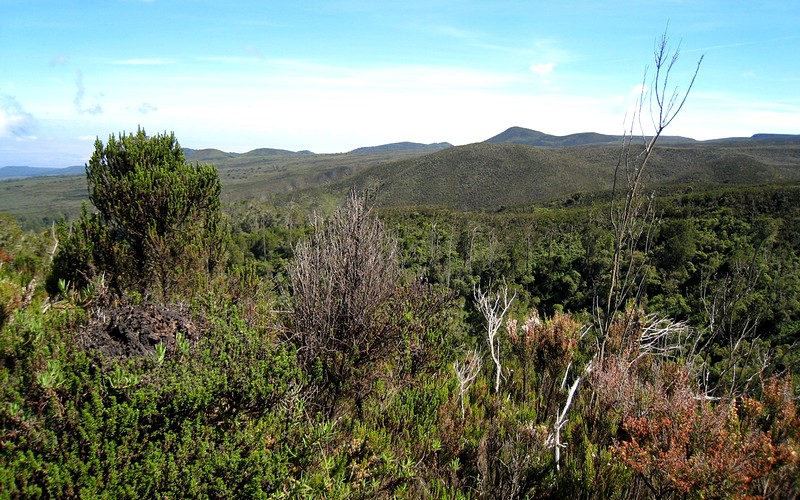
point(157, 228)
point(352, 309)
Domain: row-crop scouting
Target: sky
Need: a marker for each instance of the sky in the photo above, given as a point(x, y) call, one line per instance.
point(332, 76)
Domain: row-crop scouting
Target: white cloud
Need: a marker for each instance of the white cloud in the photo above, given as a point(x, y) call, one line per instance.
point(59, 59)
point(14, 120)
point(298, 105)
point(384, 106)
point(710, 115)
point(146, 108)
point(543, 69)
point(326, 108)
point(155, 61)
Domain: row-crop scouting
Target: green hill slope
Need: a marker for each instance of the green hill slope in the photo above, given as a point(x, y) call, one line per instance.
point(480, 175)
point(490, 175)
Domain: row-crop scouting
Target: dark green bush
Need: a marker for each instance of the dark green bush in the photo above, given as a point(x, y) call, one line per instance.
point(158, 227)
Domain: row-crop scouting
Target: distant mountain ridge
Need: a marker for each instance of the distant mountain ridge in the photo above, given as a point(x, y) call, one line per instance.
point(528, 137)
point(402, 146)
point(211, 154)
point(14, 172)
point(513, 135)
point(762, 139)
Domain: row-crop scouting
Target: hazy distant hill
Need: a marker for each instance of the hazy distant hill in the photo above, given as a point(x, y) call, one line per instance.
point(762, 139)
point(404, 146)
point(519, 135)
point(207, 155)
point(272, 151)
point(17, 172)
point(255, 176)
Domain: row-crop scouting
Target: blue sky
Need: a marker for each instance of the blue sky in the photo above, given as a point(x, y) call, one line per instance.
point(336, 75)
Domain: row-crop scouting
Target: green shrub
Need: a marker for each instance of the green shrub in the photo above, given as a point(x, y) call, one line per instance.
point(158, 227)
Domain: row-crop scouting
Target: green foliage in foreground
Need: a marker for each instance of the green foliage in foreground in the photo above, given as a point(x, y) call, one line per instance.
point(215, 418)
point(228, 415)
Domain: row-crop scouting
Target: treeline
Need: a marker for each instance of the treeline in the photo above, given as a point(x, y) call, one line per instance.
point(739, 243)
point(161, 346)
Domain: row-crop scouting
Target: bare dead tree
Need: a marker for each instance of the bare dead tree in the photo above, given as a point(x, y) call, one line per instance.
point(632, 213)
point(554, 438)
point(466, 373)
point(633, 220)
point(55, 242)
point(494, 307)
point(666, 338)
point(343, 279)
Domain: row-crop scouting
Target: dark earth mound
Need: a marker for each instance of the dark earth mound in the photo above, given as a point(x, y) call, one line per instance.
point(125, 330)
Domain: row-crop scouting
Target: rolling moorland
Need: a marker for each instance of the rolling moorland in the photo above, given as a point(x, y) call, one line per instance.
point(255, 175)
point(516, 167)
point(494, 320)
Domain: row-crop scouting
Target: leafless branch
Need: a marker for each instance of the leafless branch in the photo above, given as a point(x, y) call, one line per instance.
point(494, 308)
point(632, 214)
point(466, 373)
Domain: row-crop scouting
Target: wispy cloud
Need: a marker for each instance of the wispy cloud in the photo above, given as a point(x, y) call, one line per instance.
point(741, 44)
point(543, 69)
point(151, 61)
point(288, 75)
point(548, 49)
point(146, 108)
point(540, 49)
point(422, 78)
point(254, 52)
point(452, 32)
point(14, 120)
point(80, 93)
point(59, 59)
point(403, 78)
point(230, 59)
